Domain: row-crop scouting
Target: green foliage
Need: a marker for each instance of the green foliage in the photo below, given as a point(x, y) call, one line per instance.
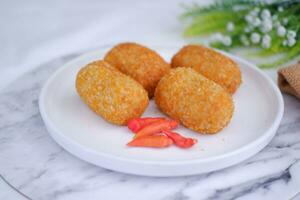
point(214, 18)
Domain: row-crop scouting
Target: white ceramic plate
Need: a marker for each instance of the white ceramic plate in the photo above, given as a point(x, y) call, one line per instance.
point(258, 111)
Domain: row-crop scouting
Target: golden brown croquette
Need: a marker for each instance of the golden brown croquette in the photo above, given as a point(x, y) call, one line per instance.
point(140, 63)
point(197, 102)
point(211, 64)
point(110, 93)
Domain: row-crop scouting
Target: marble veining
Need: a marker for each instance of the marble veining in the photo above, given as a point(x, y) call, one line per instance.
point(39, 168)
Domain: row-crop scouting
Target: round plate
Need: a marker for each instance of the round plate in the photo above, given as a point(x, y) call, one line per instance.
point(258, 111)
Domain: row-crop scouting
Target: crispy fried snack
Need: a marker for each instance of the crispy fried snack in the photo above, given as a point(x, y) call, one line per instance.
point(111, 94)
point(140, 63)
point(197, 102)
point(210, 64)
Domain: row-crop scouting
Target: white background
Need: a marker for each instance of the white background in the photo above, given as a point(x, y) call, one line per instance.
point(34, 32)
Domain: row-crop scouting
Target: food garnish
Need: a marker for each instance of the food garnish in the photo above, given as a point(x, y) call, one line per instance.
point(155, 132)
point(179, 140)
point(137, 124)
point(156, 141)
point(156, 127)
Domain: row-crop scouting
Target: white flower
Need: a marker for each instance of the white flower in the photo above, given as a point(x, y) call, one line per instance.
point(227, 41)
point(281, 31)
point(291, 42)
point(265, 14)
point(244, 40)
point(266, 26)
point(217, 37)
point(249, 18)
point(274, 17)
point(256, 22)
point(230, 26)
point(255, 38)
point(280, 9)
point(284, 42)
point(248, 29)
point(266, 41)
point(291, 34)
point(266, 38)
point(285, 21)
point(254, 12)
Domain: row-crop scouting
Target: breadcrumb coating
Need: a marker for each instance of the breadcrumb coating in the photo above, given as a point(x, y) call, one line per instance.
point(140, 63)
point(197, 102)
point(111, 94)
point(211, 64)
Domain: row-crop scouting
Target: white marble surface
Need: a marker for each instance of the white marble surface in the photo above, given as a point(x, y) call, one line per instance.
point(40, 169)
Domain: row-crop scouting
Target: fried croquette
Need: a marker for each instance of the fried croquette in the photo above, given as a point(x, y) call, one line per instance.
point(140, 63)
point(111, 94)
point(211, 64)
point(197, 102)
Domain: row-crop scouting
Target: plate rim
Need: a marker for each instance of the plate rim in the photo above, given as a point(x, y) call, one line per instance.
point(268, 134)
